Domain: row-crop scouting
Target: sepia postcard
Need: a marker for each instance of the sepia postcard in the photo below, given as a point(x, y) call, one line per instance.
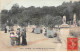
point(39, 25)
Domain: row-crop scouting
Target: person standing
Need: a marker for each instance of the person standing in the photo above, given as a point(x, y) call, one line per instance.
point(33, 30)
point(5, 30)
point(24, 42)
point(18, 34)
point(12, 38)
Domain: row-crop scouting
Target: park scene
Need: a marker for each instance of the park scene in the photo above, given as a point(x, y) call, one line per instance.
point(39, 28)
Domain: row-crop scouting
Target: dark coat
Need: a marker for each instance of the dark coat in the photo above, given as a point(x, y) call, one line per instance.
point(24, 42)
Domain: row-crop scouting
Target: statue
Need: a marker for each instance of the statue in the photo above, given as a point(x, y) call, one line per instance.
point(64, 19)
point(74, 20)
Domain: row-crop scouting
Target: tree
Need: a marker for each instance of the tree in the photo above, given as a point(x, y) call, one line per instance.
point(4, 16)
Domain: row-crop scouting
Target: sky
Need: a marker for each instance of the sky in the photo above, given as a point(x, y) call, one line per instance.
point(7, 4)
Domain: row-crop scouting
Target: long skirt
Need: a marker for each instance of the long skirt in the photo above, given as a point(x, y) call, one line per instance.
point(24, 42)
point(18, 41)
point(12, 42)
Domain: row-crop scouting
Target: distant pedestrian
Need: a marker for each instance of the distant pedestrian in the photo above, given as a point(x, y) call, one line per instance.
point(33, 30)
point(44, 31)
point(58, 38)
point(41, 30)
point(5, 30)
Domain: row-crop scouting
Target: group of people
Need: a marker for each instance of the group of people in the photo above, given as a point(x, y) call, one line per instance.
point(20, 36)
point(16, 37)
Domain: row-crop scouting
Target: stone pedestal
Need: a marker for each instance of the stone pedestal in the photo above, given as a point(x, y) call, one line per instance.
point(64, 34)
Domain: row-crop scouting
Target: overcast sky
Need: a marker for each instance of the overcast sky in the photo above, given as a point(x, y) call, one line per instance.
point(7, 4)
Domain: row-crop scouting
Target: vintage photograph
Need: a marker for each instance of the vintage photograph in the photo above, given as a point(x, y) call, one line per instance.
point(39, 25)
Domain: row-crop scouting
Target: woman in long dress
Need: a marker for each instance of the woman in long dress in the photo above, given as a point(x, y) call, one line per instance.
point(18, 34)
point(24, 42)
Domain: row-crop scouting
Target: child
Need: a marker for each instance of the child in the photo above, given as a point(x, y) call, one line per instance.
point(13, 38)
